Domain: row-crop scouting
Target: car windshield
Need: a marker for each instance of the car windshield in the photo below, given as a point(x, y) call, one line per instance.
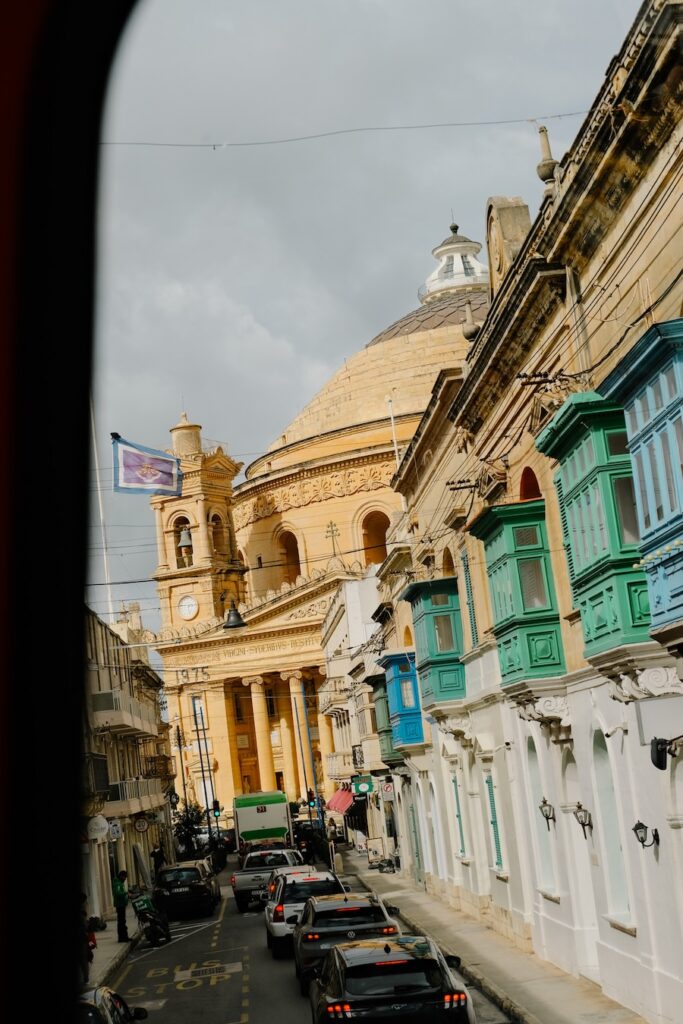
point(301, 888)
point(174, 875)
point(393, 977)
point(340, 916)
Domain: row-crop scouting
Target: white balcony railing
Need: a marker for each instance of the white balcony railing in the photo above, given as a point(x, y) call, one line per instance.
point(119, 712)
point(340, 765)
point(334, 693)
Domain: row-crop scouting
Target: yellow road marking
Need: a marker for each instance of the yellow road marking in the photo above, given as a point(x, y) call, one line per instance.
point(120, 977)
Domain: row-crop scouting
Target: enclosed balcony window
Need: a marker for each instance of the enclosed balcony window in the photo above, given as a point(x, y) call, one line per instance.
point(407, 693)
point(532, 583)
point(443, 629)
point(625, 501)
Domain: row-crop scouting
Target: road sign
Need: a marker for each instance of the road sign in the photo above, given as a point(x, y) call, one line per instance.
point(363, 784)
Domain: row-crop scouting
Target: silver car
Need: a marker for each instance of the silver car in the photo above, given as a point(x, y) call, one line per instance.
point(285, 902)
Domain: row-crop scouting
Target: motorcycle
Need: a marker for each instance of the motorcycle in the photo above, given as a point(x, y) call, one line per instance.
point(153, 923)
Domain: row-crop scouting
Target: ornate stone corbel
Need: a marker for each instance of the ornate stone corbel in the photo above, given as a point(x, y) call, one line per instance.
point(636, 684)
point(550, 711)
point(460, 727)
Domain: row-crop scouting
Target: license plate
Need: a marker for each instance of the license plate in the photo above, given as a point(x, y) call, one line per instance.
point(182, 888)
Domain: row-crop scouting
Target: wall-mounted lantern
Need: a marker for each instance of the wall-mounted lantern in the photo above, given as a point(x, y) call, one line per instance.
point(641, 835)
point(548, 811)
point(583, 816)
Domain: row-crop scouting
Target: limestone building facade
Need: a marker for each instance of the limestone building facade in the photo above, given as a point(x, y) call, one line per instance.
point(311, 513)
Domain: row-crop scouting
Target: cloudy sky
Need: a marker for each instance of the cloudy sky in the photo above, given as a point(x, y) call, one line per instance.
point(233, 280)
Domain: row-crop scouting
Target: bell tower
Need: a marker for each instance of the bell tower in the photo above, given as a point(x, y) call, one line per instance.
point(199, 571)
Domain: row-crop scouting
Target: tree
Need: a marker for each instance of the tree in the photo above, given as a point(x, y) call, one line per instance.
point(187, 824)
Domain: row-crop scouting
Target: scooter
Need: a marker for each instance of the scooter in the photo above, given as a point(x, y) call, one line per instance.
point(154, 924)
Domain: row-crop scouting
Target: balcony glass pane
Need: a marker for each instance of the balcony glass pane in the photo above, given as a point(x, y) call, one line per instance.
point(625, 500)
point(443, 628)
point(526, 536)
point(616, 443)
point(631, 421)
point(642, 490)
point(439, 599)
point(670, 377)
point(657, 395)
point(532, 583)
point(407, 693)
point(654, 476)
point(668, 471)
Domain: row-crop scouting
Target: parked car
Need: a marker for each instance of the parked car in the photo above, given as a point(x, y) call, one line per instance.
point(405, 979)
point(329, 920)
point(285, 902)
point(102, 1005)
point(258, 866)
point(187, 885)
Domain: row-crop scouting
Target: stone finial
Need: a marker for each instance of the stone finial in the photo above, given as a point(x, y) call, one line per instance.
point(546, 168)
point(470, 329)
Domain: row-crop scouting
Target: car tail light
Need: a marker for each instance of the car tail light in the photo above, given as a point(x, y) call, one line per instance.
point(389, 931)
point(453, 999)
point(272, 887)
point(279, 912)
point(233, 881)
point(311, 937)
point(338, 1011)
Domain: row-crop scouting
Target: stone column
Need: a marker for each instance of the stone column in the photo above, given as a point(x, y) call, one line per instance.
point(289, 764)
point(326, 743)
point(301, 744)
point(218, 729)
point(232, 739)
point(162, 554)
point(205, 547)
point(264, 748)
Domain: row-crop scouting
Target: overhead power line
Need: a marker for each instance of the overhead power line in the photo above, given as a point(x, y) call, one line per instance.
point(343, 131)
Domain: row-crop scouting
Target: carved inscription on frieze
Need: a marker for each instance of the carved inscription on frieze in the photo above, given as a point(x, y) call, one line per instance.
point(307, 492)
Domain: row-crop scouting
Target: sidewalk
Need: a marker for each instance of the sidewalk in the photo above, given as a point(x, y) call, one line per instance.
point(111, 953)
point(527, 989)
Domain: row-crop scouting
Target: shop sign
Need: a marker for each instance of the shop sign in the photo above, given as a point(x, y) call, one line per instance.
point(115, 830)
point(363, 784)
point(98, 828)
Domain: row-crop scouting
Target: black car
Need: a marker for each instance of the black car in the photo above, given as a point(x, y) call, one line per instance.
point(405, 980)
point(187, 886)
point(102, 1005)
point(328, 920)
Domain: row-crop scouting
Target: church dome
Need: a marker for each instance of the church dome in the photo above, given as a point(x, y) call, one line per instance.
point(395, 371)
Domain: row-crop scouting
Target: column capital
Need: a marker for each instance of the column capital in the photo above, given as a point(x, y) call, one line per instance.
point(322, 671)
point(252, 681)
point(287, 677)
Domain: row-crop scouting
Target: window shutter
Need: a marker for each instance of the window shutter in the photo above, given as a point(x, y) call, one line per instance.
point(470, 600)
point(494, 822)
point(565, 531)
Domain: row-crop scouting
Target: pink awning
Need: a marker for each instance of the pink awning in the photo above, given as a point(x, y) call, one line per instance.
point(340, 801)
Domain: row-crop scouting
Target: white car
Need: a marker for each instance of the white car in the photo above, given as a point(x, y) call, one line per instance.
point(286, 900)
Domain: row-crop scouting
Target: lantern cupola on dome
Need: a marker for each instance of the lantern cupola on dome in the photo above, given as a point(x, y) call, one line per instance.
point(458, 270)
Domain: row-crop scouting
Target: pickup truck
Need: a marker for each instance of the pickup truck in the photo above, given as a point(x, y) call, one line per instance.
point(256, 871)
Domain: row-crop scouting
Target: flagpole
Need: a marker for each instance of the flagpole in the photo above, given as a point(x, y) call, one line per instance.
point(100, 505)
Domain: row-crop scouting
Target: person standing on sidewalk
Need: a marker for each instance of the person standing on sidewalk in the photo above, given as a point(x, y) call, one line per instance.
point(121, 902)
point(158, 859)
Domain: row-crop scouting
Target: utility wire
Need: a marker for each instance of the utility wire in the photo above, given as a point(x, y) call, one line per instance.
point(342, 131)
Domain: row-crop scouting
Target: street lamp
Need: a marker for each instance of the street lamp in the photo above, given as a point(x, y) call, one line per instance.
point(548, 811)
point(180, 744)
point(641, 835)
point(583, 817)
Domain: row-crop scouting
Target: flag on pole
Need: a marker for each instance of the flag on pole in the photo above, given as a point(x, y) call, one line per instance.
point(140, 470)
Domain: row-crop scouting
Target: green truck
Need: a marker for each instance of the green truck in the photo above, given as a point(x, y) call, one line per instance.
point(262, 816)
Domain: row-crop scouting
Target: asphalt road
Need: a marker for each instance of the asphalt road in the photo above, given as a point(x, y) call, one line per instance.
point(218, 970)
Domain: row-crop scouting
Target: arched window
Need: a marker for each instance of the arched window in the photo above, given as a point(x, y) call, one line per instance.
point(289, 556)
point(528, 485)
point(375, 526)
point(546, 874)
point(407, 637)
point(218, 536)
point(182, 542)
point(609, 830)
point(448, 566)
